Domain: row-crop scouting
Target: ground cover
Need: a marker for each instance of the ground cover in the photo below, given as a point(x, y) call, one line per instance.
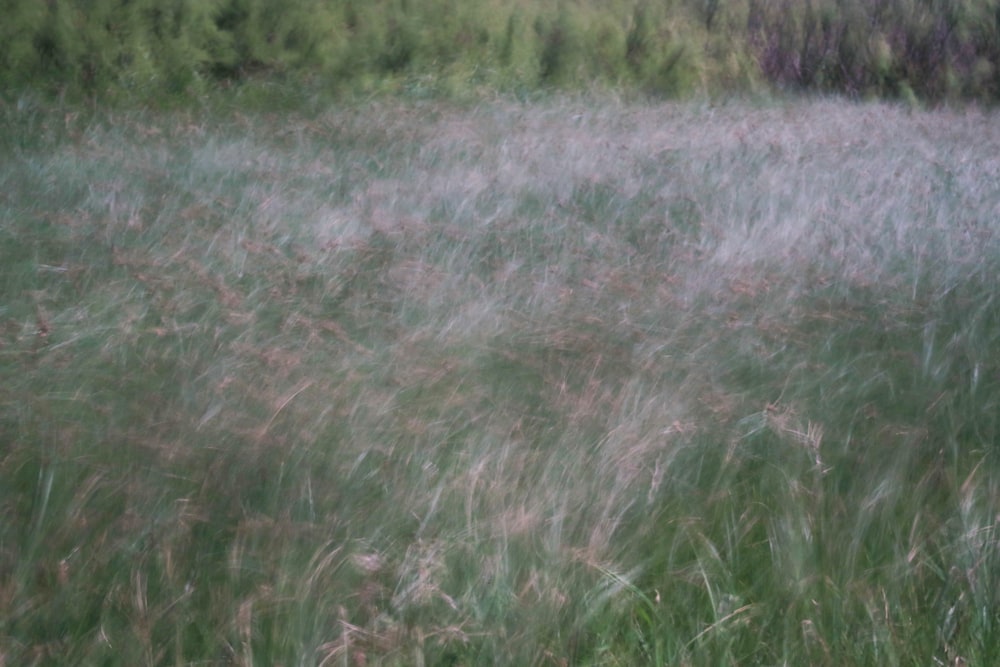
point(574, 382)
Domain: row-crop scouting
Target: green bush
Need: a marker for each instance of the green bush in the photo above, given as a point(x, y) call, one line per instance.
point(145, 48)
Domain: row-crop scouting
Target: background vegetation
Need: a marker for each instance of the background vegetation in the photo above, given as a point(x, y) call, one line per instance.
point(929, 49)
point(557, 384)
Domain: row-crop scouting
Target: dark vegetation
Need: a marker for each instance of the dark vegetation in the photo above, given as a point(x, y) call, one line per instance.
point(926, 49)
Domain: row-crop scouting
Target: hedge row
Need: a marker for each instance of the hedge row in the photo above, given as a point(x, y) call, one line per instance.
point(927, 48)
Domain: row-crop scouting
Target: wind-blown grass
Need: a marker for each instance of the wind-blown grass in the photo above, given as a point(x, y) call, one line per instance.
point(569, 383)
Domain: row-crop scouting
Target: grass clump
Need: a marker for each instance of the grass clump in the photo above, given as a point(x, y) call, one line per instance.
point(562, 383)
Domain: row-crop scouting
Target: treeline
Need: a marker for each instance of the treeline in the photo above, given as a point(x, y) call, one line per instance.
point(931, 49)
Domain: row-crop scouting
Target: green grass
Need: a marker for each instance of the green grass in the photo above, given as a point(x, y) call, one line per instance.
point(575, 382)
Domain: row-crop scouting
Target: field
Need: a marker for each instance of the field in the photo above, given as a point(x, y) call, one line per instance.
point(570, 382)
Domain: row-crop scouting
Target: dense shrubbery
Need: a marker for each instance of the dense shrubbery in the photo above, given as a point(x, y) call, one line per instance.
point(933, 48)
point(928, 48)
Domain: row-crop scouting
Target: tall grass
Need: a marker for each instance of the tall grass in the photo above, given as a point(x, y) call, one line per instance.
point(568, 383)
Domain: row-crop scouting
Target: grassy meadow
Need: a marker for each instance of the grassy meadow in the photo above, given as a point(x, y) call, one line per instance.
point(570, 382)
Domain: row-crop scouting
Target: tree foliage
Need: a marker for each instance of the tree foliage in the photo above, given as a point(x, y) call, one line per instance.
point(933, 49)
